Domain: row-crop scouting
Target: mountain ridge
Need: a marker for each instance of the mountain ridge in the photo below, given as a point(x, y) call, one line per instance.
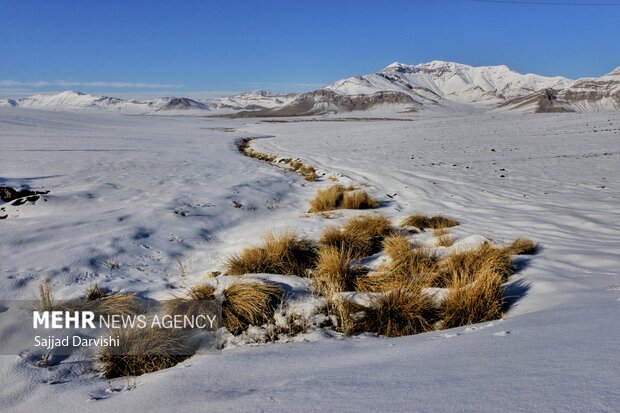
point(396, 89)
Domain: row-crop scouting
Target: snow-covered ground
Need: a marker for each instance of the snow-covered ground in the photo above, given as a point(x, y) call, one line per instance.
point(131, 194)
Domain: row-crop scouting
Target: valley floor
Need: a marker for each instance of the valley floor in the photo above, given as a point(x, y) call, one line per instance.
point(131, 196)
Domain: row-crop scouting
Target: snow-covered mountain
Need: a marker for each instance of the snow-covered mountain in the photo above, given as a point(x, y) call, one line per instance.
point(77, 101)
point(74, 100)
point(437, 81)
point(7, 103)
point(599, 94)
point(397, 89)
point(255, 100)
point(405, 88)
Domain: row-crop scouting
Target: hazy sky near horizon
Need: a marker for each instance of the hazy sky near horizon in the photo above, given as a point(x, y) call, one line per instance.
point(202, 48)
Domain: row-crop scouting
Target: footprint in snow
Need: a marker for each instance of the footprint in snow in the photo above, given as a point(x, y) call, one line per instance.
point(502, 333)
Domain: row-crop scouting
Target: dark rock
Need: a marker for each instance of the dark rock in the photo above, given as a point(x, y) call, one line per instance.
point(8, 194)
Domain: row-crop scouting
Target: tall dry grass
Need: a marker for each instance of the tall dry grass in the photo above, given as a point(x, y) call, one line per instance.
point(423, 222)
point(249, 303)
point(341, 197)
point(522, 246)
point(463, 266)
point(361, 235)
point(286, 253)
point(336, 270)
point(407, 264)
point(141, 351)
point(401, 312)
point(473, 301)
point(199, 299)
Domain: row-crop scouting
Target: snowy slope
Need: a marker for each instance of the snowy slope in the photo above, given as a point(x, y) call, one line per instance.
point(600, 94)
point(399, 89)
point(433, 82)
point(77, 101)
point(117, 184)
point(258, 99)
point(410, 88)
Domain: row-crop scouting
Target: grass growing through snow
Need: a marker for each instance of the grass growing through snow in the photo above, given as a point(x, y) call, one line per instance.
point(286, 253)
point(407, 264)
point(336, 270)
point(442, 237)
point(46, 297)
point(522, 246)
point(361, 235)
point(465, 265)
point(142, 350)
point(94, 300)
point(249, 303)
point(400, 312)
point(199, 299)
point(341, 197)
point(307, 172)
point(472, 301)
point(434, 222)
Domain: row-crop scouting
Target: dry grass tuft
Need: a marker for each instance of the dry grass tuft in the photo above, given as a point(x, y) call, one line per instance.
point(95, 300)
point(422, 221)
point(361, 235)
point(442, 238)
point(359, 200)
point(94, 292)
point(328, 199)
point(522, 246)
point(200, 299)
point(286, 253)
point(405, 259)
point(336, 270)
point(142, 351)
point(340, 197)
point(469, 302)
point(249, 303)
point(465, 266)
point(46, 297)
point(348, 317)
point(400, 312)
point(406, 265)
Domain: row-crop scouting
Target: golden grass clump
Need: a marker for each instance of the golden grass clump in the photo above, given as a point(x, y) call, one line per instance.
point(200, 299)
point(407, 259)
point(141, 351)
point(361, 235)
point(348, 317)
point(434, 222)
point(372, 228)
point(469, 302)
point(110, 304)
point(336, 270)
point(94, 300)
point(94, 292)
point(341, 197)
point(359, 200)
point(249, 303)
point(335, 236)
point(286, 253)
point(522, 246)
point(328, 199)
point(465, 266)
point(407, 264)
point(442, 238)
point(400, 312)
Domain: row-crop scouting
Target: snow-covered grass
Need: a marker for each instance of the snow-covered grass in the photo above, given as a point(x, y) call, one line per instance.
point(142, 192)
point(340, 197)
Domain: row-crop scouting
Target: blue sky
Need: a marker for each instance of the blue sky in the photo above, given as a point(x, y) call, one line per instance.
point(200, 48)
